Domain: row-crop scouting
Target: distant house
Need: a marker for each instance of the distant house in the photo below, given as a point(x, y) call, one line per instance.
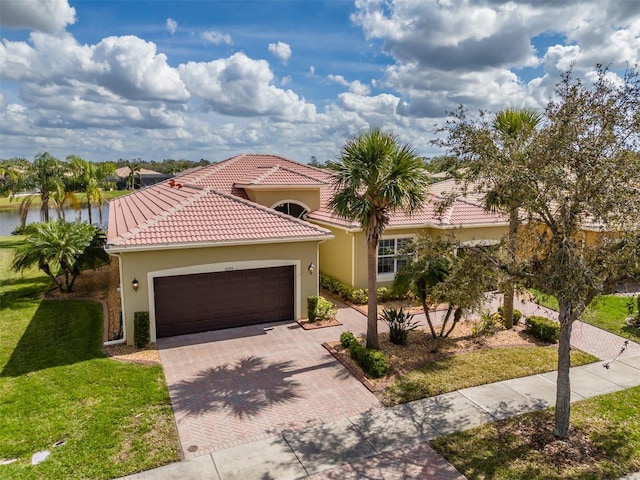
point(242, 241)
point(144, 178)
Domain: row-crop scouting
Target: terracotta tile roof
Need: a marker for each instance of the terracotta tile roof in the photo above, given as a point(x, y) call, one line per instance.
point(209, 205)
point(278, 176)
point(461, 212)
point(196, 215)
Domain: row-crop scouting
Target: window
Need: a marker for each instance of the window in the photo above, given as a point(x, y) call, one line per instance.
point(390, 259)
point(292, 209)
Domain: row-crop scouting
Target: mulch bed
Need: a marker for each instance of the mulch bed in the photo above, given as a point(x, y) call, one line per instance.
point(307, 325)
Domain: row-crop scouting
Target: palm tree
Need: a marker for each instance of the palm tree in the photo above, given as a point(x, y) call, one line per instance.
point(375, 176)
point(134, 171)
point(46, 175)
point(62, 250)
point(513, 129)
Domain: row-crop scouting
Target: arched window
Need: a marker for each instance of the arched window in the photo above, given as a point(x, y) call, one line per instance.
point(292, 209)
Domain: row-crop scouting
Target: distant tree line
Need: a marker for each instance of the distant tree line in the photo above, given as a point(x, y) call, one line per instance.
point(167, 166)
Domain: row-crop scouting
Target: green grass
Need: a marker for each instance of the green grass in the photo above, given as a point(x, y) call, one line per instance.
point(57, 384)
point(462, 371)
point(607, 312)
point(609, 423)
point(7, 203)
point(548, 301)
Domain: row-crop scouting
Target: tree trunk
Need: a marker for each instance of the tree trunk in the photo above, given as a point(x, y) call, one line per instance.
point(507, 304)
point(44, 209)
point(89, 210)
point(372, 290)
point(425, 308)
point(563, 385)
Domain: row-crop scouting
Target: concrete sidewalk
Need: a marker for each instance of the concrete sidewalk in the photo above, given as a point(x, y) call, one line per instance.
point(392, 442)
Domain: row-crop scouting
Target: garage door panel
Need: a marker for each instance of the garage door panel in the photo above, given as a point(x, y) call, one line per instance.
point(210, 301)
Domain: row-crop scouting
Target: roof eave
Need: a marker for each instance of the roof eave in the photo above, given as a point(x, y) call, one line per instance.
point(226, 243)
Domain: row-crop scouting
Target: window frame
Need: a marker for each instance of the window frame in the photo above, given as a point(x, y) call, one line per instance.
point(389, 276)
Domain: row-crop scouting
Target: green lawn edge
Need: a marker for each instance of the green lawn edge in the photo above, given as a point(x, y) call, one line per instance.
point(492, 451)
point(57, 384)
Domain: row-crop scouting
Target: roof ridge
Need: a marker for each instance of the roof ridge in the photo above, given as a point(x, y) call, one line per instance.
point(212, 169)
point(303, 175)
point(269, 171)
point(166, 213)
point(268, 210)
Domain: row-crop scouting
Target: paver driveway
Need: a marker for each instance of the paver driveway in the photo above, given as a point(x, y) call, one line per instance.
point(239, 385)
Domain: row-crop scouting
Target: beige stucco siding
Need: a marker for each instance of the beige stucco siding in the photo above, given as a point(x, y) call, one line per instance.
point(336, 255)
point(467, 234)
point(310, 199)
point(146, 265)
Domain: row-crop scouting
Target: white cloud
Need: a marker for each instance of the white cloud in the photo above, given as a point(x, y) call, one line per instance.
point(217, 38)
point(241, 86)
point(356, 86)
point(281, 51)
point(172, 25)
point(49, 16)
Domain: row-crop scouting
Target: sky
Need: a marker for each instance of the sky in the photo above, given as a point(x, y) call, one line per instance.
point(296, 78)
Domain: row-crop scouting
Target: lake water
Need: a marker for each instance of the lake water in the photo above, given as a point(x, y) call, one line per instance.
point(10, 219)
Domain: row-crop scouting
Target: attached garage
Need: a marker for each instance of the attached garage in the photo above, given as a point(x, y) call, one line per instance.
point(211, 301)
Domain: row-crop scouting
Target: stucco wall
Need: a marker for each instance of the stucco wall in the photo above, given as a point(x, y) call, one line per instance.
point(270, 198)
point(461, 234)
point(146, 265)
point(336, 255)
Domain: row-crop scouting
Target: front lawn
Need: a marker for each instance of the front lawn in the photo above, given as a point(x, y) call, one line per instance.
point(604, 443)
point(476, 368)
point(607, 312)
point(56, 384)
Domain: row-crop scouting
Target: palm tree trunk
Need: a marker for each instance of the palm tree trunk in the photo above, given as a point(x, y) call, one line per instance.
point(372, 301)
point(89, 210)
point(563, 389)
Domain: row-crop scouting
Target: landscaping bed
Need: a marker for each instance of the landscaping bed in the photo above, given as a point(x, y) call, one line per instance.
point(426, 366)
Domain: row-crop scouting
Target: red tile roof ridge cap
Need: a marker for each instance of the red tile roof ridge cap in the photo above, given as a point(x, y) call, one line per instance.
point(272, 170)
point(210, 170)
point(284, 159)
point(268, 210)
point(201, 192)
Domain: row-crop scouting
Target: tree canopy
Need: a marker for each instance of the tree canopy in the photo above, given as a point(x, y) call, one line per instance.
point(578, 185)
point(62, 250)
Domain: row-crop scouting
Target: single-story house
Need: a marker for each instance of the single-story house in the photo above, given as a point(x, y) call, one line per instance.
point(242, 241)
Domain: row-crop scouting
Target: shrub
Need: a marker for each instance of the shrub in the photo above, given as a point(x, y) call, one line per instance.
point(375, 363)
point(347, 338)
point(335, 286)
point(372, 361)
point(517, 316)
point(312, 307)
point(141, 329)
point(400, 323)
point(319, 308)
point(487, 325)
point(543, 328)
point(359, 296)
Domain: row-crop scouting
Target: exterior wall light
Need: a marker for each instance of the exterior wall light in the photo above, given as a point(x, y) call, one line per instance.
point(135, 284)
point(311, 268)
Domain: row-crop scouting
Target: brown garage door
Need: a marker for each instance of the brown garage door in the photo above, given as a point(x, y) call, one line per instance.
point(211, 301)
